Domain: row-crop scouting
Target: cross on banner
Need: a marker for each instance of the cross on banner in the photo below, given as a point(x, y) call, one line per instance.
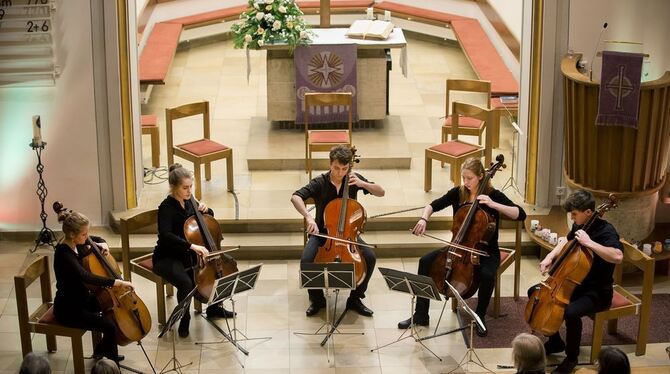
point(620, 86)
point(619, 97)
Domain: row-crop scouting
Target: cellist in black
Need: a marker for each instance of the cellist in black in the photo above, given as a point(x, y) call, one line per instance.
point(595, 292)
point(174, 257)
point(493, 202)
point(323, 189)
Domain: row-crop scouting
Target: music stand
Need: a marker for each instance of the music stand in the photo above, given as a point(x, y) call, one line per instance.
point(326, 276)
point(226, 288)
point(416, 286)
point(177, 313)
point(475, 320)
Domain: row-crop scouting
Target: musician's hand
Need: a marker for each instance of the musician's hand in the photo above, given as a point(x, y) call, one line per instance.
point(419, 228)
point(202, 207)
point(584, 239)
point(199, 250)
point(104, 248)
point(122, 283)
point(312, 227)
point(545, 264)
point(354, 180)
point(486, 200)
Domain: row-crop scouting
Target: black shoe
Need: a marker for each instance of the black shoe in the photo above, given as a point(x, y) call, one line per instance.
point(183, 326)
point(357, 305)
point(314, 308)
point(219, 312)
point(418, 321)
point(552, 346)
point(119, 358)
point(566, 366)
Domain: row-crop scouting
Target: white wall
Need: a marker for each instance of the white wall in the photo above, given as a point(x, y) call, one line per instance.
point(511, 12)
point(643, 21)
point(68, 118)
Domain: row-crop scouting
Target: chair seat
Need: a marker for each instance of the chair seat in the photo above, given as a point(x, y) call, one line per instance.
point(316, 137)
point(504, 255)
point(618, 301)
point(203, 147)
point(149, 120)
point(147, 264)
point(455, 148)
point(48, 316)
point(468, 122)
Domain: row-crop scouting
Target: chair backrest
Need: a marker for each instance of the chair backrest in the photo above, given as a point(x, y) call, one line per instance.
point(131, 225)
point(459, 109)
point(183, 111)
point(38, 269)
point(326, 99)
point(467, 85)
point(637, 258)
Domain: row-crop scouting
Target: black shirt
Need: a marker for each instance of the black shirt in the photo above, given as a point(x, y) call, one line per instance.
point(599, 278)
point(171, 240)
point(71, 280)
point(323, 191)
point(452, 198)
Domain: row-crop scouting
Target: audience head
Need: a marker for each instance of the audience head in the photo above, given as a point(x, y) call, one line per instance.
point(181, 181)
point(34, 364)
point(105, 366)
point(528, 352)
point(613, 360)
point(75, 225)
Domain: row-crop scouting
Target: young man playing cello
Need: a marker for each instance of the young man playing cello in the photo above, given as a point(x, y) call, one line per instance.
point(323, 189)
point(594, 294)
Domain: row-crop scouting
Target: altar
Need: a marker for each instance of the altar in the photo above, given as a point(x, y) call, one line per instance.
point(372, 72)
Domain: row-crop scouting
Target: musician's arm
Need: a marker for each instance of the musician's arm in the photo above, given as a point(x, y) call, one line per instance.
point(506, 207)
point(374, 189)
point(611, 249)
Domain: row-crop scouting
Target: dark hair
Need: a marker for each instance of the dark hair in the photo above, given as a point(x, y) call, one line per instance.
point(177, 174)
point(105, 366)
point(613, 360)
point(342, 153)
point(580, 200)
point(34, 364)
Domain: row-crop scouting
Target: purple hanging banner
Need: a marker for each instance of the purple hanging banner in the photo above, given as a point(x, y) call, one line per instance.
point(620, 89)
point(325, 68)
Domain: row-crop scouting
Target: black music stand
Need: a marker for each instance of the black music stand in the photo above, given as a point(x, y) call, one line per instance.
point(417, 286)
point(326, 276)
point(475, 320)
point(178, 312)
point(227, 288)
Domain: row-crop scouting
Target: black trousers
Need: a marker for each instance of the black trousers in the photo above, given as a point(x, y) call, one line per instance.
point(309, 253)
point(582, 302)
point(488, 266)
point(90, 318)
point(175, 272)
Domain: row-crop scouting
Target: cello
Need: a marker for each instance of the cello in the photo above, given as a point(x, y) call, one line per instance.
point(548, 300)
point(472, 228)
point(203, 229)
point(344, 219)
point(120, 304)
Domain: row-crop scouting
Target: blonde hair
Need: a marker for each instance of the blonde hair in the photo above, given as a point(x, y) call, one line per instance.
point(474, 165)
point(528, 352)
point(177, 175)
point(73, 222)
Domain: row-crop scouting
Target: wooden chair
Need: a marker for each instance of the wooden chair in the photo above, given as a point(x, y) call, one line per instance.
point(624, 303)
point(43, 320)
point(144, 265)
point(201, 151)
point(467, 125)
point(456, 151)
point(150, 127)
point(324, 140)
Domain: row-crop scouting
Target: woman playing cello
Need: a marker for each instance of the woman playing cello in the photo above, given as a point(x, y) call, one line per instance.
point(323, 189)
point(174, 257)
point(74, 305)
point(493, 202)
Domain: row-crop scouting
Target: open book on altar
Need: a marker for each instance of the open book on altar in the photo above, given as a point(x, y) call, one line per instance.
point(369, 29)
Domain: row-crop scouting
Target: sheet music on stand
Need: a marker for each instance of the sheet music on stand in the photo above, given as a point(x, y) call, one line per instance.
point(327, 276)
point(177, 313)
point(226, 288)
point(416, 286)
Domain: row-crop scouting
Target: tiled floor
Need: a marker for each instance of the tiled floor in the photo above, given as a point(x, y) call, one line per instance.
point(276, 309)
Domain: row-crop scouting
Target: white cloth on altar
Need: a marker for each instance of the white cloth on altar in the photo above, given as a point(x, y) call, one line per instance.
point(339, 36)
